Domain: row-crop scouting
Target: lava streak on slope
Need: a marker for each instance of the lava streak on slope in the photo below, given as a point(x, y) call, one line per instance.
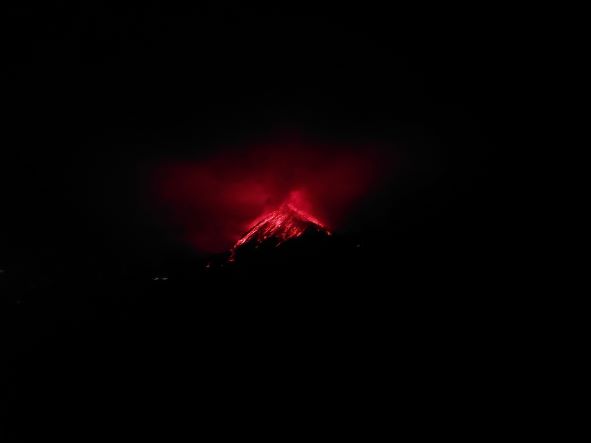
point(281, 225)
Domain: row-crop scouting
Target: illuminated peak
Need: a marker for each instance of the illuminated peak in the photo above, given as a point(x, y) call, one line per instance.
point(280, 225)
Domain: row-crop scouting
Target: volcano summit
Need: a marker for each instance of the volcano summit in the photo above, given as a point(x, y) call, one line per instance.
point(278, 227)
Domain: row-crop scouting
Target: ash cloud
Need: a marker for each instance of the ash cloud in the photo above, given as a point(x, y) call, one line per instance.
point(210, 202)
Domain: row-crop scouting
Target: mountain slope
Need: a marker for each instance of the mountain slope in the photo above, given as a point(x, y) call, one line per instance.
point(277, 227)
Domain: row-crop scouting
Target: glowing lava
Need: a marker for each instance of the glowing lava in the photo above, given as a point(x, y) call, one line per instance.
point(280, 225)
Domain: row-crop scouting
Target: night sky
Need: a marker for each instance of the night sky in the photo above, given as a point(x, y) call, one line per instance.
point(137, 138)
point(99, 93)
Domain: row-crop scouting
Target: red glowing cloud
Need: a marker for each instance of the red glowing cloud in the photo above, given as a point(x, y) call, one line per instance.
point(211, 202)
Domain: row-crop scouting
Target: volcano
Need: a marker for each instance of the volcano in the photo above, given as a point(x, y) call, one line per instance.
point(278, 227)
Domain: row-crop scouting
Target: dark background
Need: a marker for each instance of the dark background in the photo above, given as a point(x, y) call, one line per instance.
point(96, 90)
